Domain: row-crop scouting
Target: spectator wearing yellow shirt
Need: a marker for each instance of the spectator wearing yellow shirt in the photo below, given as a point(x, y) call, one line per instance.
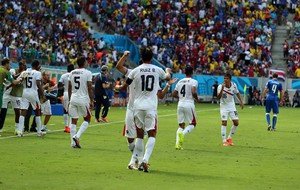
point(297, 72)
point(236, 72)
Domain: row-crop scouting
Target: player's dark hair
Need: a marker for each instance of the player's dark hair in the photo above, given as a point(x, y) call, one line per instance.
point(5, 61)
point(35, 64)
point(81, 61)
point(188, 70)
point(70, 67)
point(228, 75)
point(275, 75)
point(22, 62)
point(146, 53)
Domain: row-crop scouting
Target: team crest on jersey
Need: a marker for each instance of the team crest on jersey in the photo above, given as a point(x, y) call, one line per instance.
point(153, 70)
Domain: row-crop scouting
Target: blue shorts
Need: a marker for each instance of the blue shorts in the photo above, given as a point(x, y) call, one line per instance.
point(272, 105)
point(123, 94)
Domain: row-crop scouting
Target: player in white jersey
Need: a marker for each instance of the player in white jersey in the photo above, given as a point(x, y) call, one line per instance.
point(146, 83)
point(32, 89)
point(81, 100)
point(129, 126)
point(226, 92)
point(63, 83)
point(185, 90)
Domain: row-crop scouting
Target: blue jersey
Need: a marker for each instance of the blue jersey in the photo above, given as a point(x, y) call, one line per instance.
point(273, 86)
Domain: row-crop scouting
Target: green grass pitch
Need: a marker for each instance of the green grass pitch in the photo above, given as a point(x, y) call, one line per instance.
point(259, 160)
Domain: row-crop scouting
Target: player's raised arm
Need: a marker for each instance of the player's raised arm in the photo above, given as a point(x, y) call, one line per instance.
point(120, 65)
point(161, 94)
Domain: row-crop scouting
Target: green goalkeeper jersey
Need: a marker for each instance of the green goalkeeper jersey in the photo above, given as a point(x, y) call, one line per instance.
point(4, 74)
point(17, 90)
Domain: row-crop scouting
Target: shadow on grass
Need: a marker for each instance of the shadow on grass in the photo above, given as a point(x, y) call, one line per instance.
point(191, 175)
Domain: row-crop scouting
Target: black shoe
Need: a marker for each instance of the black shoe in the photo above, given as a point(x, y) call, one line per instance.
point(269, 127)
point(33, 130)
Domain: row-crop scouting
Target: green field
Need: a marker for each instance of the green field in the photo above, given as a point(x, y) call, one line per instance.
point(259, 160)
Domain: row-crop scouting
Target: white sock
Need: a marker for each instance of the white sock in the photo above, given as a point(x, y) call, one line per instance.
point(72, 131)
point(38, 124)
point(178, 131)
point(17, 126)
point(131, 146)
point(188, 129)
point(44, 126)
point(70, 122)
point(66, 119)
point(232, 131)
point(21, 124)
point(137, 151)
point(149, 148)
point(223, 133)
point(82, 128)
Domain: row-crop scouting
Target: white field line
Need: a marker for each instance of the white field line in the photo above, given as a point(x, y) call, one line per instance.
point(100, 124)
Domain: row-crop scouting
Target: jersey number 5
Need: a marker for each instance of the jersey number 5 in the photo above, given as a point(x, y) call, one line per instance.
point(77, 82)
point(147, 82)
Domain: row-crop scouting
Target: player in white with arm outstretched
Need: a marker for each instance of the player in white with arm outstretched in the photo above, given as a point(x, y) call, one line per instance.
point(129, 126)
point(146, 82)
point(32, 89)
point(81, 100)
point(64, 83)
point(185, 90)
point(226, 92)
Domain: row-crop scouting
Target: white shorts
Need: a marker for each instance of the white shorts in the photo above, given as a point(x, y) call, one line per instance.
point(232, 114)
point(33, 99)
point(16, 102)
point(146, 119)
point(46, 108)
point(187, 114)
point(66, 101)
point(5, 100)
point(129, 126)
point(77, 110)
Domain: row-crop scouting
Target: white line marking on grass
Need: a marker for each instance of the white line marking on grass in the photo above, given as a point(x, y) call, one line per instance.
point(97, 124)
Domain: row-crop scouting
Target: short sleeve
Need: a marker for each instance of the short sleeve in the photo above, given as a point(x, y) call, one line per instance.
point(89, 77)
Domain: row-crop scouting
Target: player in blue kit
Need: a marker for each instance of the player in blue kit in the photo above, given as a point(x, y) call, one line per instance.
point(270, 94)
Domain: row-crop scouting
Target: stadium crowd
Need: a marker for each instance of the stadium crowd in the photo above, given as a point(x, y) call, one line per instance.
point(212, 38)
point(51, 31)
point(292, 51)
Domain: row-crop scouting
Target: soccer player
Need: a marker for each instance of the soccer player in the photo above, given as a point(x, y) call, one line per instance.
point(32, 89)
point(81, 100)
point(146, 83)
point(5, 74)
point(270, 94)
point(226, 92)
point(185, 90)
point(129, 126)
point(63, 83)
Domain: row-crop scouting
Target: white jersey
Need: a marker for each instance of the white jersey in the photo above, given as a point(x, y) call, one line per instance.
point(79, 79)
point(184, 89)
point(146, 84)
point(64, 79)
point(30, 83)
point(227, 100)
point(130, 92)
